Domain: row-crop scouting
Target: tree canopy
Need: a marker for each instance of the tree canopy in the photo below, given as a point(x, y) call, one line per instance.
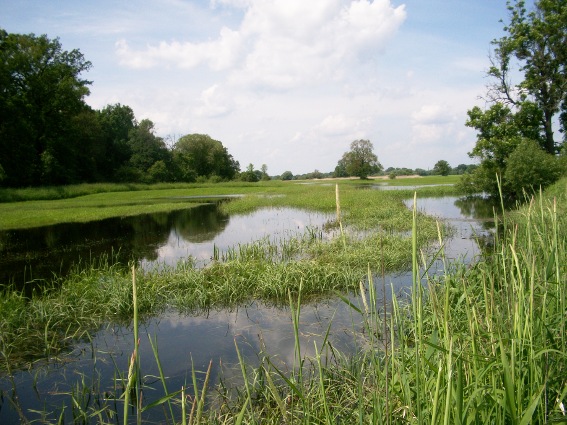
point(41, 93)
point(359, 161)
point(200, 155)
point(49, 135)
point(442, 168)
point(534, 51)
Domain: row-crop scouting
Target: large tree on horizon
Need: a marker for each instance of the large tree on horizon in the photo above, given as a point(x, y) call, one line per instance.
point(199, 155)
point(360, 160)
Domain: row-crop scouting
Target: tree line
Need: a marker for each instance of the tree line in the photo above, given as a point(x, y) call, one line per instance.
point(50, 136)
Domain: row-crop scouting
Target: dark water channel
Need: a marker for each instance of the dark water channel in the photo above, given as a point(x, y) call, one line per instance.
point(183, 340)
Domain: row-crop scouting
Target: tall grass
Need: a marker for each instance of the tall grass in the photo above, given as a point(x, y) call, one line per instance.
point(484, 343)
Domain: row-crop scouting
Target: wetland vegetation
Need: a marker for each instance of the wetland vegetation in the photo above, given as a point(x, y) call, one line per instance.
point(476, 344)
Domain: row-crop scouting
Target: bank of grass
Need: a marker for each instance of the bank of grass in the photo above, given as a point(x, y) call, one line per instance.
point(34, 207)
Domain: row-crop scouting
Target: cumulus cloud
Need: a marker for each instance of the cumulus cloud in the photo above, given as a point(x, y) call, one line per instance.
point(217, 54)
point(214, 103)
point(281, 44)
point(432, 123)
point(340, 125)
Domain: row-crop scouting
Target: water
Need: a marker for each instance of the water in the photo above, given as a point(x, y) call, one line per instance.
point(194, 341)
point(35, 255)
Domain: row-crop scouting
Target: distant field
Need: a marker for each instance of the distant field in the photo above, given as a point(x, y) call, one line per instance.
point(33, 207)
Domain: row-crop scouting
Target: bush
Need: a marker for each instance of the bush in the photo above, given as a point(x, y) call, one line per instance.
point(528, 168)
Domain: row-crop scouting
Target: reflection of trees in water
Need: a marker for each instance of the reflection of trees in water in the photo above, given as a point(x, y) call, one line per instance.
point(55, 249)
point(479, 208)
point(200, 224)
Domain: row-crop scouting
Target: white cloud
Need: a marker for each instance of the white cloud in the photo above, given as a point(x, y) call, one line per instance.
point(279, 44)
point(218, 54)
point(214, 103)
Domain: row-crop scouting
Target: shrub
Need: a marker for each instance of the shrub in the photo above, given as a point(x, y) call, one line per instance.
point(528, 168)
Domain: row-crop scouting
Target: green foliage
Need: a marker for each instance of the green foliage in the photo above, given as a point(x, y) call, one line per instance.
point(360, 160)
point(250, 175)
point(287, 175)
point(50, 136)
point(534, 48)
point(529, 168)
point(198, 155)
point(41, 94)
point(442, 168)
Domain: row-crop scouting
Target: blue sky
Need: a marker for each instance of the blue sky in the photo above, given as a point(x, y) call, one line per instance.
point(286, 83)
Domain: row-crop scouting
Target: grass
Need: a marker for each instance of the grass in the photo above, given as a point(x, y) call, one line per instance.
point(33, 207)
point(480, 344)
point(263, 270)
point(484, 343)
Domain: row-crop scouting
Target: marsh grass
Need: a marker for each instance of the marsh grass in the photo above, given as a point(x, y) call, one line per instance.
point(480, 344)
point(484, 343)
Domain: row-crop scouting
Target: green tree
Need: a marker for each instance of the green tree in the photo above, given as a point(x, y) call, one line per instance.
point(535, 50)
point(198, 155)
point(249, 175)
point(116, 122)
point(40, 93)
point(442, 168)
point(287, 175)
point(340, 169)
point(530, 168)
point(146, 148)
point(264, 171)
point(537, 41)
point(360, 160)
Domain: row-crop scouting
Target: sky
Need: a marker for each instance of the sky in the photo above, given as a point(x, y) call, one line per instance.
point(286, 83)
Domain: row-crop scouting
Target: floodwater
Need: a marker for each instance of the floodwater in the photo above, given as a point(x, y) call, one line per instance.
point(30, 256)
point(194, 341)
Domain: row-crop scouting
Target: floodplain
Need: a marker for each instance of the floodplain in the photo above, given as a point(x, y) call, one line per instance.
point(388, 374)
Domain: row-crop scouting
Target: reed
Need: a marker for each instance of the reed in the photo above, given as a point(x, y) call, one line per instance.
point(484, 343)
point(479, 344)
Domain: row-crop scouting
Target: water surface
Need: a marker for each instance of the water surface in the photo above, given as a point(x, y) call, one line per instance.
point(194, 341)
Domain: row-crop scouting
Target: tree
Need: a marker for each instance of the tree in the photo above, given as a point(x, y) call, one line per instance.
point(264, 171)
point(287, 175)
point(536, 41)
point(530, 168)
point(201, 156)
point(249, 175)
point(116, 122)
point(40, 93)
point(340, 169)
point(360, 160)
point(146, 148)
point(442, 168)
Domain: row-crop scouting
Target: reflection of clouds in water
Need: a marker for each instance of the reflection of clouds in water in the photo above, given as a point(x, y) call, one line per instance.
point(205, 338)
point(273, 223)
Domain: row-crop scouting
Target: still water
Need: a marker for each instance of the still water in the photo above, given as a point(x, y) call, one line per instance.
point(34, 255)
point(183, 340)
